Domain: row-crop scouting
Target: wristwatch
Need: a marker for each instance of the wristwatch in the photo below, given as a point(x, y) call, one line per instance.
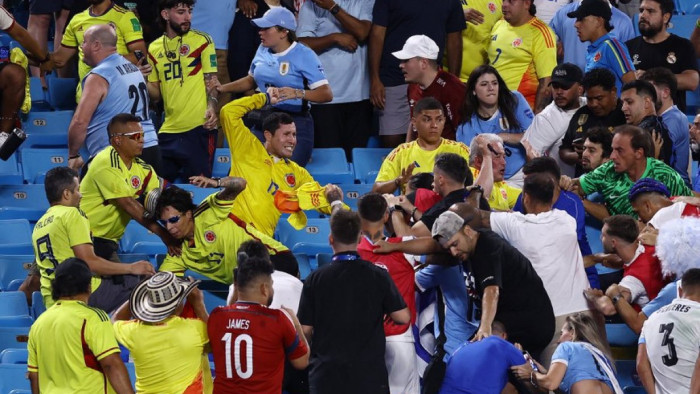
point(335, 9)
point(616, 298)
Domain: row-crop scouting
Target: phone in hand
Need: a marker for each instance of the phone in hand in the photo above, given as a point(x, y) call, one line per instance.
point(139, 56)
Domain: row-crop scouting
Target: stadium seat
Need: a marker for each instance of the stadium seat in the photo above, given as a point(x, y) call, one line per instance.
point(12, 267)
point(222, 163)
point(37, 162)
point(47, 129)
point(62, 93)
point(316, 231)
point(20, 391)
point(38, 95)
point(329, 165)
point(352, 192)
point(13, 338)
point(367, 162)
point(620, 335)
point(17, 237)
point(635, 24)
point(15, 285)
point(627, 373)
point(10, 173)
point(13, 377)
point(13, 303)
point(137, 239)
point(14, 356)
point(374, 142)
point(695, 10)
point(38, 306)
point(682, 25)
point(131, 368)
point(323, 259)
point(198, 193)
point(22, 202)
point(304, 265)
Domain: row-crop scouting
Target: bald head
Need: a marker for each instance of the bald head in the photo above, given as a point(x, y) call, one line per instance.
point(104, 34)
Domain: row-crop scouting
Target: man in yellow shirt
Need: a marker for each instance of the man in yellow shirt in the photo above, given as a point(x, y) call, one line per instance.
point(100, 12)
point(169, 351)
point(210, 233)
point(64, 232)
point(115, 186)
point(523, 49)
point(488, 165)
point(419, 155)
point(184, 66)
point(266, 167)
point(71, 346)
point(481, 15)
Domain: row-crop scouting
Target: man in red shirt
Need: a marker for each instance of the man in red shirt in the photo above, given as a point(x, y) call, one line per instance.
point(425, 78)
point(400, 353)
point(249, 340)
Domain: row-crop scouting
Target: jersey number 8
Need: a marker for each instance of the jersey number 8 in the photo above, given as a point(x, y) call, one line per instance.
point(240, 341)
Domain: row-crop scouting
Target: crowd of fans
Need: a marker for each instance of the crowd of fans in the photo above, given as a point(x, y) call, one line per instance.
point(466, 269)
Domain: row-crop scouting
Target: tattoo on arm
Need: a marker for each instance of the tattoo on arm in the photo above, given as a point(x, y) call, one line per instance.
point(209, 80)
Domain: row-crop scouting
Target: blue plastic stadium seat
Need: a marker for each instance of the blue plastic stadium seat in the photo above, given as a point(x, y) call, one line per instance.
point(62, 93)
point(13, 303)
point(323, 259)
point(17, 237)
point(620, 335)
point(304, 265)
point(47, 129)
point(682, 25)
point(137, 239)
point(132, 373)
point(12, 267)
point(16, 321)
point(627, 373)
point(316, 231)
point(198, 194)
point(13, 377)
point(38, 95)
point(312, 248)
point(22, 202)
point(37, 162)
point(367, 162)
point(222, 162)
point(14, 356)
point(10, 172)
point(352, 192)
point(329, 165)
point(15, 285)
point(38, 306)
point(695, 10)
point(13, 337)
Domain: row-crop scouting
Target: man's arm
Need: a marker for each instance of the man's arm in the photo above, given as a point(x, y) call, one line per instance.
point(543, 96)
point(597, 210)
point(489, 305)
point(22, 36)
point(61, 56)
point(196, 299)
point(94, 91)
point(695, 37)
point(136, 210)
point(357, 30)
point(303, 361)
point(376, 46)
point(454, 52)
point(635, 320)
point(138, 45)
point(100, 266)
point(418, 246)
point(644, 369)
point(210, 118)
point(402, 316)
point(113, 367)
point(627, 77)
point(34, 382)
point(154, 91)
point(688, 80)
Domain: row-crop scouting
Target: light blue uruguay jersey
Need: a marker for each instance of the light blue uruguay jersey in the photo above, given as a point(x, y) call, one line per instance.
point(298, 67)
point(127, 94)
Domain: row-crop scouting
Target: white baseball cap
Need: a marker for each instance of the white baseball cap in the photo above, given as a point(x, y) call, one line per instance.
point(418, 46)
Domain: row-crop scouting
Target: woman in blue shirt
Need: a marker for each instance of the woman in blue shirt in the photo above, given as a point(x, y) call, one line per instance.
point(581, 364)
point(292, 67)
point(489, 107)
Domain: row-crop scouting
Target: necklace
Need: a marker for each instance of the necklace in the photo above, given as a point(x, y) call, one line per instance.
point(173, 56)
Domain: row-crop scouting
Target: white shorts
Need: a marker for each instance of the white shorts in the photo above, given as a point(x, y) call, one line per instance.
point(402, 365)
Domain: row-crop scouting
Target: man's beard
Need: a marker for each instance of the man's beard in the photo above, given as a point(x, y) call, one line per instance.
point(177, 28)
point(650, 30)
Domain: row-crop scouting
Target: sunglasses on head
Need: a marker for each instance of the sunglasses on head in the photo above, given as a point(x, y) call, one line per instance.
point(134, 135)
point(171, 220)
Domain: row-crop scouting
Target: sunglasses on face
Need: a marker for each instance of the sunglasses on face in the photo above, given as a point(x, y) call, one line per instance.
point(134, 135)
point(171, 220)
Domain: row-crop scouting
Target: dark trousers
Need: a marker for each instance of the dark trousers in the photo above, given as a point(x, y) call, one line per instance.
point(345, 125)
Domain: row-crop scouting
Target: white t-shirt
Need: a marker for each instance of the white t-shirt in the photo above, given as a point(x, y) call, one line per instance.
point(287, 291)
point(665, 215)
point(6, 19)
point(672, 337)
point(547, 131)
point(550, 242)
point(547, 8)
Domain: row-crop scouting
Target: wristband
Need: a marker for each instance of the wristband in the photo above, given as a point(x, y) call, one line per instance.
point(73, 157)
point(413, 212)
point(336, 202)
point(218, 181)
point(335, 9)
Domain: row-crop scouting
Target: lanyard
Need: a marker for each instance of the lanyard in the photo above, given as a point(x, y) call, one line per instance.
point(349, 256)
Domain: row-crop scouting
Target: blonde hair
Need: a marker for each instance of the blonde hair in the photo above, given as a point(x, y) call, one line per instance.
point(585, 329)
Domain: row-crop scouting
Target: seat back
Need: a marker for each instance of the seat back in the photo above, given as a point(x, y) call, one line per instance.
point(367, 162)
point(222, 163)
point(13, 337)
point(12, 267)
point(62, 93)
point(137, 239)
point(316, 231)
point(13, 377)
point(47, 129)
point(17, 237)
point(13, 303)
point(37, 162)
point(329, 165)
point(10, 171)
point(22, 202)
point(14, 356)
point(353, 191)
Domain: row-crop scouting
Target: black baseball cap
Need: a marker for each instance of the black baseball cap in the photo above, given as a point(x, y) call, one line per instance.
point(599, 8)
point(566, 74)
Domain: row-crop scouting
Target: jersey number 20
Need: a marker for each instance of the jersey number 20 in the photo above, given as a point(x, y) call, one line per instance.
point(240, 341)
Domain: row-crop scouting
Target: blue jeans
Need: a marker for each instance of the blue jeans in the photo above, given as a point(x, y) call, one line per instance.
point(305, 137)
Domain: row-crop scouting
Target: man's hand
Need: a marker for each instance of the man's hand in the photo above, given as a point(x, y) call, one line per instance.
point(405, 204)
point(377, 95)
point(202, 181)
point(609, 260)
point(383, 247)
point(473, 16)
point(639, 73)
point(333, 193)
point(325, 4)
point(648, 235)
point(274, 95)
point(484, 332)
point(567, 183)
point(144, 67)
point(141, 267)
point(406, 174)
point(210, 119)
point(613, 290)
point(391, 200)
point(46, 66)
point(530, 152)
point(658, 143)
point(248, 7)
point(345, 41)
point(76, 163)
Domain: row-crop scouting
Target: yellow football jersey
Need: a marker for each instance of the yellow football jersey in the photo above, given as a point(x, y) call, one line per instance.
point(217, 236)
point(53, 238)
point(109, 178)
point(503, 196)
point(179, 64)
point(124, 22)
point(264, 173)
point(523, 55)
point(410, 152)
point(475, 38)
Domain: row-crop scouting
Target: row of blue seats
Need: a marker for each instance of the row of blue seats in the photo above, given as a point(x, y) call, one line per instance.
point(59, 94)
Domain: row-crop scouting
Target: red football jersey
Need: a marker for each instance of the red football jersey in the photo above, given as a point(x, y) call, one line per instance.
point(647, 268)
point(250, 342)
point(449, 90)
point(401, 272)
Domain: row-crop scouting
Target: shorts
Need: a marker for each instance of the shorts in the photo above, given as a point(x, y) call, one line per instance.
point(395, 116)
point(38, 7)
point(187, 154)
point(402, 366)
point(105, 248)
point(113, 292)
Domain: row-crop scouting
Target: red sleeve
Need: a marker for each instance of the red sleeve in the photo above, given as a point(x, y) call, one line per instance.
point(294, 346)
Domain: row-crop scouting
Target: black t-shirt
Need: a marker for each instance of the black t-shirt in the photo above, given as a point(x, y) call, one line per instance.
point(655, 123)
point(430, 216)
point(345, 302)
point(523, 304)
point(675, 53)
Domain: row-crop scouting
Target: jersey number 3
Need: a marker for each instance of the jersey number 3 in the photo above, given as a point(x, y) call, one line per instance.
point(671, 358)
point(240, 341)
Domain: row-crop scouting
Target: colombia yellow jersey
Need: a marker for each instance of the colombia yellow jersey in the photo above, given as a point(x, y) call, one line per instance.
point(53, 239)
point(264, 173)
point(217, 236)
point(179, 65)
point(109, 178)
point(124, 22)
point(410, 152)
point(65, 346)
point(523, 55)
point(475, 38)
point(503, 196)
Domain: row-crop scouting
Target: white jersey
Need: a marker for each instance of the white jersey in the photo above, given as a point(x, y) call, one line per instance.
point(6, 19)
point(672, 338)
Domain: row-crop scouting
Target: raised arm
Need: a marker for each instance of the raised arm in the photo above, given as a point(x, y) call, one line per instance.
point(136, 210)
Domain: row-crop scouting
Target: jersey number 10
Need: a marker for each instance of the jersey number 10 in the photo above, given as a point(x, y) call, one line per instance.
point(240, 341)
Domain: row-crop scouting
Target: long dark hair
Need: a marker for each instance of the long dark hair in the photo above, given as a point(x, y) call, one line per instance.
point(506, 99)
